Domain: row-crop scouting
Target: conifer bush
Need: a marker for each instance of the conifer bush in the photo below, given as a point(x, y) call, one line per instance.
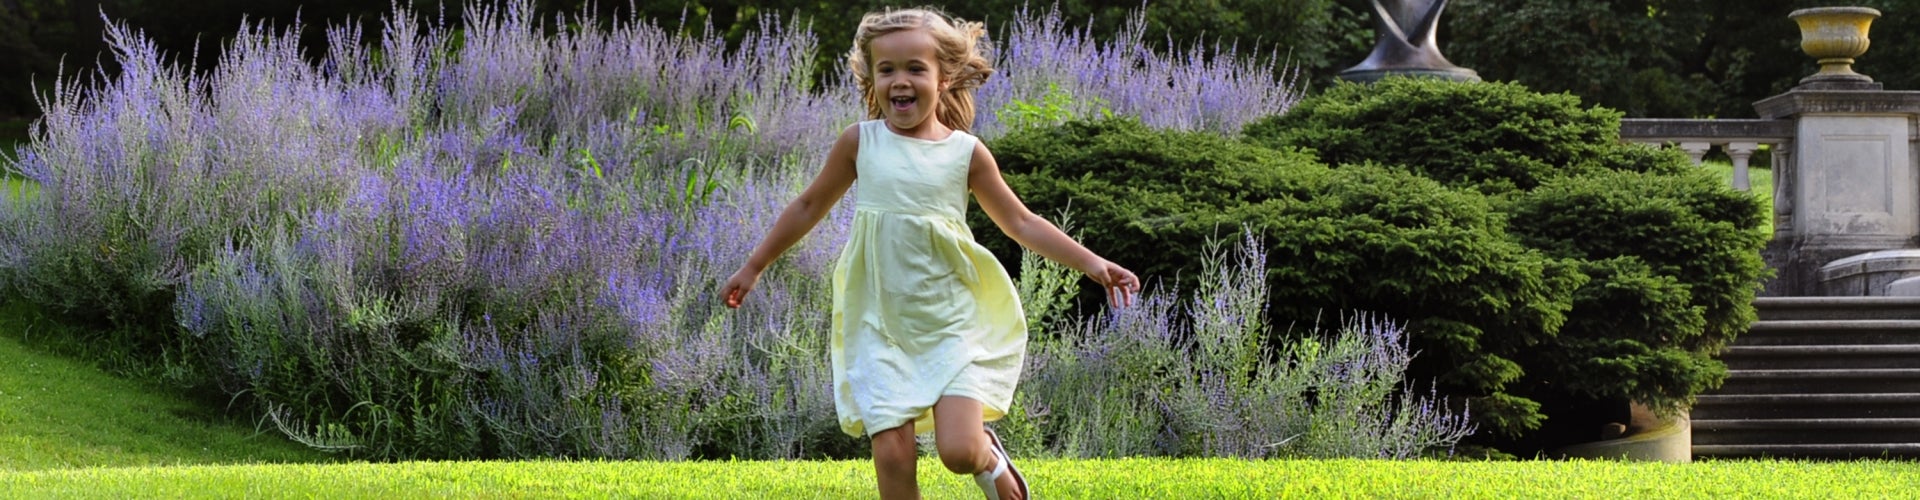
point(1497, 136)
point(1666, 255)
point(1138, 188)
point(1542, 265)
point(1360, 238)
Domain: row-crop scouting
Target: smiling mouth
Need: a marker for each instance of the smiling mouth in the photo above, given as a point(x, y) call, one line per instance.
point(902, 102)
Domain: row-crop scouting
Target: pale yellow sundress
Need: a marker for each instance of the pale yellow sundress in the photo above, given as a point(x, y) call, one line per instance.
point(920, 310)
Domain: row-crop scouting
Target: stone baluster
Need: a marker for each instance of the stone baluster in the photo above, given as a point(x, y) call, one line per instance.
point(1783, 186)
point(1740, 152)
point(1697, 150)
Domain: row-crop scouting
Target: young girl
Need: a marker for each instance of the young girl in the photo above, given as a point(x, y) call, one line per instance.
point(928, 334)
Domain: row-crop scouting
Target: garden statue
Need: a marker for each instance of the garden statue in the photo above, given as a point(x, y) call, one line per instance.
point(1406, 44)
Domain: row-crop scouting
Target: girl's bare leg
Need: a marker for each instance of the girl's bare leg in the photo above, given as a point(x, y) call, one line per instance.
point(961, 437)
point(894, 456)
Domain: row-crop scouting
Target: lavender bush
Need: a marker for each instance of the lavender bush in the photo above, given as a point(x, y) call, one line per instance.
point(496, 240)
point(1161, 379)
point(1047, 66)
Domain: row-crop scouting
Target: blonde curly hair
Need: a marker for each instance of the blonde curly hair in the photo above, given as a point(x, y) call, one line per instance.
point(960, 48)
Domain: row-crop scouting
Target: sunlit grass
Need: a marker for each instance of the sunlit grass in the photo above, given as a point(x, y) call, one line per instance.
point(1103, 479)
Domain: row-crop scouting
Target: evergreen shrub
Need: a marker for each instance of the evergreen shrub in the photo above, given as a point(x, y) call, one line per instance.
point(1499, 136)
point(1365, 238)
point(1544, 266)
point(1670, 254)
point(1141, 189)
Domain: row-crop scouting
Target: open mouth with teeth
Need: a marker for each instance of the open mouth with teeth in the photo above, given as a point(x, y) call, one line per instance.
point(901, 103)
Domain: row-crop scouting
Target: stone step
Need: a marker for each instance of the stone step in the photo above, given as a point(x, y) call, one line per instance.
point(1832, 332)
point(1818, 377)
point(1883, 380)
point(1848, 450)
point(1788, 406)
point(1820, 308)
point(1806, 431)
point(1802, 357)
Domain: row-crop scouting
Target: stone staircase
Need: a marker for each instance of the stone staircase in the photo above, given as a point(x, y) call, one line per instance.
point(1818, 377)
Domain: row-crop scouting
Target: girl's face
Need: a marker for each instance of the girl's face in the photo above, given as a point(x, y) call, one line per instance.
point(907, 78)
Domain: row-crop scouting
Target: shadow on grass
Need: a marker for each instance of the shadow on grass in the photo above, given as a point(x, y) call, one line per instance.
point(58, 411)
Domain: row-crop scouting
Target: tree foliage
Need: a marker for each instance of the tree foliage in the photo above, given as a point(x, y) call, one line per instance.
point(1663, 58)
point(1658, 58)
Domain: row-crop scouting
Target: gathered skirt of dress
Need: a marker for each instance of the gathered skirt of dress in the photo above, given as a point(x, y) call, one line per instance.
point(920, 311)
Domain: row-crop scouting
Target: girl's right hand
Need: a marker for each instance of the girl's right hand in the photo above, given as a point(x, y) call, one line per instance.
point(735, 291)
point(1120, 283)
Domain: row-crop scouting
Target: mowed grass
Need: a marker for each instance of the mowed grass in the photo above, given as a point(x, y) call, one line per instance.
point(56, 412)
point(1103, 479)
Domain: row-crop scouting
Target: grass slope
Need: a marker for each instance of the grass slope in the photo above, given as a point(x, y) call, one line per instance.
point(56, 412)
point(1125, 478)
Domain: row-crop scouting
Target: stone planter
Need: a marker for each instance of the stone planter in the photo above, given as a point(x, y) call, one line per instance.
point(1834, 36)
point(1650, 438)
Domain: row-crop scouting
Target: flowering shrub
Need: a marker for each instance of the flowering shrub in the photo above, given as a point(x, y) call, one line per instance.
point(1200, 380)
point(1044, 62)
point(494, 240)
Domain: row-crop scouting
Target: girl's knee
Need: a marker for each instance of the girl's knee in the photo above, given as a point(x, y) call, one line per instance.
point(962, 456)
point(895, 448)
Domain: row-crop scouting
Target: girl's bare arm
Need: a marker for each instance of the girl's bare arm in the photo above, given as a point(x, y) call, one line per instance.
point(1036, 233)
point(804, 212)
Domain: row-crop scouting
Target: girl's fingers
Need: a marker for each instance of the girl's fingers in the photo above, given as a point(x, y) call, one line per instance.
point(1120, 286)
point(733, 295)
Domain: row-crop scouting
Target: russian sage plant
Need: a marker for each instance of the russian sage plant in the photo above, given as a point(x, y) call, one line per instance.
point(502, 239)
point(1064, 73)
point(1158, 379)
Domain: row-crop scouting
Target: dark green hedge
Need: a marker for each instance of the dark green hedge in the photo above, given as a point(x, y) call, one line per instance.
point(1539, 259)
point(1145, 198)
point(1496, 136)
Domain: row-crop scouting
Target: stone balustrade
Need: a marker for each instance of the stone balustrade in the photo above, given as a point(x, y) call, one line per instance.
point(1846, 184)
point(1739, 139)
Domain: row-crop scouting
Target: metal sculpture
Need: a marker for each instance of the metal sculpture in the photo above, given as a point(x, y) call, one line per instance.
point(1407, 44)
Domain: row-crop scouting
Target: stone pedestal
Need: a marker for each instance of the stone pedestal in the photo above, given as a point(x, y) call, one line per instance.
point(1849, 186)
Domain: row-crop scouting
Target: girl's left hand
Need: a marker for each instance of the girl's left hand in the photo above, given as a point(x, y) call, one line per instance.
point(1120, 283)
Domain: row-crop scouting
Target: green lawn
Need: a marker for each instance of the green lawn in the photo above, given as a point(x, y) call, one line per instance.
point(1103, 479)
point(56, 412)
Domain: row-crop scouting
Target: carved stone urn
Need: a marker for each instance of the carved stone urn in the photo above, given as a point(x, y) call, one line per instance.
point(1407, 44)
point(1835, 35)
